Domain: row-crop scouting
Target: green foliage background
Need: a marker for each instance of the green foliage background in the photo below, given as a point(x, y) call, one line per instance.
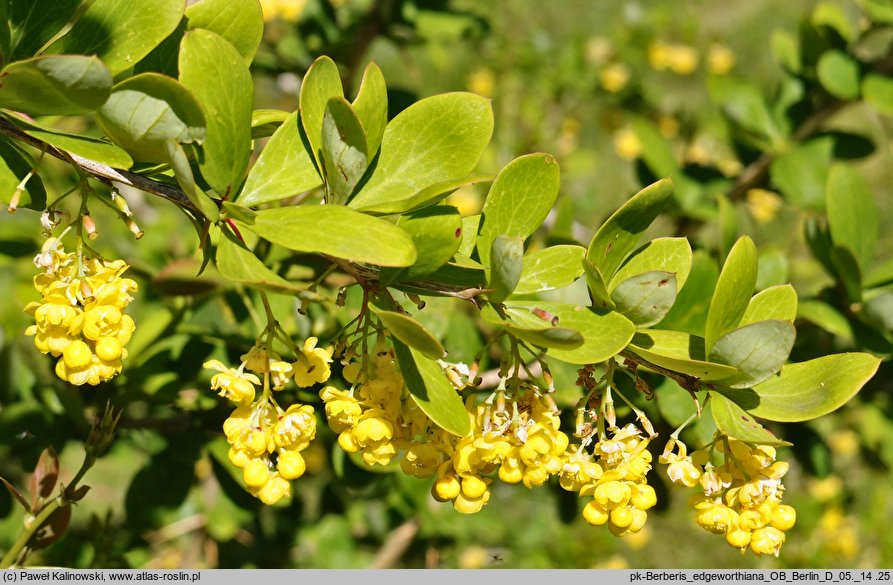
point(164, 496)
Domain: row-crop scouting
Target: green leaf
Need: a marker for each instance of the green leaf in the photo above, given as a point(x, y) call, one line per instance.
point(32, 25)
point(265, 122)
point(826, 317)
point(758, 350)
point(506, 261)
point(839, 74)
point(470, 226)
point(239, 212)
point(119, 33)
point(519, 200)
point(371, 107)
point(94, 149)
point(811, 389)
point(679, 352)
point(427, 196)
point(743, 102)
point(183, 172)
point(645, 298)
point(436, 233)
point(877, 90)
point(432, 391)
point(689, 312)
point(411, 332)
point(598, 289)
point(147, 111)
point(322, 229)
point(880, 274)
point(801, 173)
point(605, 333)
point(736, 423)
point(321, 83)
point(833, 16)
point(283, 169)
point(550, 268)
point(777, 302)
point(879, 10)
point(55, 85)
point(852, 213)
point(667, 254)
point(656, 150)
point(620, 233)
point(733, 291)
point(14, 167)
point(535, 326)
point(218, 77)
point(436, 139)
point(878, 311)
point(239, 264)
point(241, 22)
point(344, 150)
point(846, 267)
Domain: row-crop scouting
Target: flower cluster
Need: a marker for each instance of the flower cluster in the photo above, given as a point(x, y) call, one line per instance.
point(742, 497)
point(519, 439)
point(265, 440)
point(615, 476)
point(80, 318)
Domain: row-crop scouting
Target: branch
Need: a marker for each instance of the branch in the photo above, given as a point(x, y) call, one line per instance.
point(365, 275)
point(101, 171)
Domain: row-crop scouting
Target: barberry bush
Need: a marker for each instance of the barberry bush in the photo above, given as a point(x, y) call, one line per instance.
point(250, 320)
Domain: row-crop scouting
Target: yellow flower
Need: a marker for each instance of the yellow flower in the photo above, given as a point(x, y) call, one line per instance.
point(627, 144)
point(231, 383)
point(720, 59)
point(312, 365)
point(614, 77)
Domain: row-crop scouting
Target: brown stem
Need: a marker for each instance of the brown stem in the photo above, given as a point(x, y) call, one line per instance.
point(101, 171)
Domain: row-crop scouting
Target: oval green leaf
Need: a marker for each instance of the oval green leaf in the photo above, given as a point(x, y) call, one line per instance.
point(31, 25)
point(519, 200)
point(239, 264)
point(620, 233)
point(776, 302)
point(283, 169)
point(550, 268)
point(758, 350)
point(811, 389)
point(343, 149)
point(432, 391)
point(436, 233)
point(371, 106)
point(506, 260)
point(645, 298)
point(436, 139)
point(733, 291)
point(839, 74)
point(665, 254)
point(412, 333)
point(853, 217)
point(55, 85)
point(732, 420)
point(605, 333)
point(217, 75)
point(119, 33)
point(321, 83)
point(94, 149)
point(322, 229)
point(147, 111)
point(679, 352)
point(241, 22)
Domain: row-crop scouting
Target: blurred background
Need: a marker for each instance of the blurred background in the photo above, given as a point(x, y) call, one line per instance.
point(728, 98)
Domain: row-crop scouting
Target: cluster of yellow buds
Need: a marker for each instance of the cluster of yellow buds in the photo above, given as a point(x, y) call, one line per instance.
point(80, 318)
point(615, 476)
point(265, 440)
point(519, 439)
point(742, 497)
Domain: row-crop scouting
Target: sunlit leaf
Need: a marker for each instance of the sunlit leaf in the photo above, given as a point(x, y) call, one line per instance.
point(550, 268)
point(733, 291)
point(732, 420)
point(57, 85)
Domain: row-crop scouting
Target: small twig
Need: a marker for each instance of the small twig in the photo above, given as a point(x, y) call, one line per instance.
point(99, 170)
point(396, 544)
